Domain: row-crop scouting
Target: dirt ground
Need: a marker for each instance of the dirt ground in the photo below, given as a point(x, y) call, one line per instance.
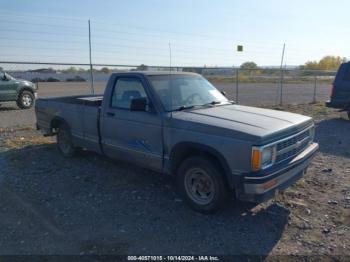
point(92, 205)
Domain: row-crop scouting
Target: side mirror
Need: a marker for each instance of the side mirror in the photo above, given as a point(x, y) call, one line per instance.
point(138, 104)
point(224, 93)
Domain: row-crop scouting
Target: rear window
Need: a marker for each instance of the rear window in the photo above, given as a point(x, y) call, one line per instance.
point(347, 73)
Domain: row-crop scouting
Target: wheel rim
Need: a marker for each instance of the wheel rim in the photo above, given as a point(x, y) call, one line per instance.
point(64, 141)
point(199, 186)
point(27, 100)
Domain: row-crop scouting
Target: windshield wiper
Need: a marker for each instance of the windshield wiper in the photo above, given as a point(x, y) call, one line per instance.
point(183, 108)
point(215, 102)
point(212, 103)
point(204, 105)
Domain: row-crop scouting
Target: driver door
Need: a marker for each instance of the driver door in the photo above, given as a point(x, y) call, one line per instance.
point(134, 136)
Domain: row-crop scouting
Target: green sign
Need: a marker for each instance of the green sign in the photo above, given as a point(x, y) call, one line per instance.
point(239, 48)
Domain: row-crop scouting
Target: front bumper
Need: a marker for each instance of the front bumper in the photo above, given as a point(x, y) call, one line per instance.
point(262, 188)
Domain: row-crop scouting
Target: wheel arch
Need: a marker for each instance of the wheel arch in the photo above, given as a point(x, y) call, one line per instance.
point(56, 122)
point(25, 88)
point(183, 150)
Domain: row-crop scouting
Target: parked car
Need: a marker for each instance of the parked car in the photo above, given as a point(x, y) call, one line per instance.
point(179, 124)
point(22, 91)
point(76, 79)
point(340, 95)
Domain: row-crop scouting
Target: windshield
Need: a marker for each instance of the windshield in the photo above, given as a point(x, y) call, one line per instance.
point(8, 76)
point(178, 92)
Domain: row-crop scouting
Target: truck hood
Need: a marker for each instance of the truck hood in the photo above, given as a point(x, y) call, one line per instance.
point(257, 125)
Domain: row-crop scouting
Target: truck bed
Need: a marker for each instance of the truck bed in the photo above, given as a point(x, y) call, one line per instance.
point(88, 100)
point(81, 113)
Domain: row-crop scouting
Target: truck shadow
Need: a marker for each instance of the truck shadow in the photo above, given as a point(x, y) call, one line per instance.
point(92, 205)
point(333, 136)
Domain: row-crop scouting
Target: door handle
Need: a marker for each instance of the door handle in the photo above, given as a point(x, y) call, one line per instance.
point(110, 114)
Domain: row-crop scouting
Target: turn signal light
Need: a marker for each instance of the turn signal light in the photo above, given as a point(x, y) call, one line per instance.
point(256, 159)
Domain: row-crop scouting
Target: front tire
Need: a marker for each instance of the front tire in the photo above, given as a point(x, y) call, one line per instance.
point(202, 184)
point(64, 141)
point(25, 100)
point(349, 114)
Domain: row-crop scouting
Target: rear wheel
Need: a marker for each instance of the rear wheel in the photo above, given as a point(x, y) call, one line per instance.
point(25, 100)
point(64, 141)
point(202, 185)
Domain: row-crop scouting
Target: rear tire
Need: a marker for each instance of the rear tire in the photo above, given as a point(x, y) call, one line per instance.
point(25, 100)
point(64, 141)
point(202, 185)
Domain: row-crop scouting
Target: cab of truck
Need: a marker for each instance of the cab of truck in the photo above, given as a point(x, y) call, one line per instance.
point(340, 89)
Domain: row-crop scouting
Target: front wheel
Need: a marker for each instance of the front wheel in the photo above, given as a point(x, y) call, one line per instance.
point(202, 184)
point(349, 114)
point(64, 141)
point(25, 100)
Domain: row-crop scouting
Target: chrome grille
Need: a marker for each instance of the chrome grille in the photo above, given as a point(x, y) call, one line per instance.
point(293, 146)
point(292, 140)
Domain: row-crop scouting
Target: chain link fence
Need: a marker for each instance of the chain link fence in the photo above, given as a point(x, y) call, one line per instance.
point(263, 86)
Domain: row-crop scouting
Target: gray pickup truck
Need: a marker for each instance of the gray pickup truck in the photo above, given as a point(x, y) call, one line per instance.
point(179, 124)
point(22, 91)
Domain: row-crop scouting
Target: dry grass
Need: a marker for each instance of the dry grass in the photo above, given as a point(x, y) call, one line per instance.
point(8, 130)
point(23, 141)
point(316, 110)
point(309, 109)
point(273, 79)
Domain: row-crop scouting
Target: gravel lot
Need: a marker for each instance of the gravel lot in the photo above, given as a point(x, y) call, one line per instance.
point(92, 205)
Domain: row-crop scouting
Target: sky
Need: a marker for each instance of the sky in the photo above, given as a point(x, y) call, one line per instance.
point(198, 32)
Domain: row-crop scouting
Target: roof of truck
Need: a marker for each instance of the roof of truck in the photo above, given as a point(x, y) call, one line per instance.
point(148, 73)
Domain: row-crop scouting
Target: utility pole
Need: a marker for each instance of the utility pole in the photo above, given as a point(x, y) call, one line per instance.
point(315, 87)
point(281, 80)
point(239, 49)
point(169, 56)
point(237, 82)
point(92, 75)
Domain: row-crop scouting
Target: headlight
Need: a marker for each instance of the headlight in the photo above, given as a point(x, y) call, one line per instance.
point(263, 157)
point(312, 134)
point(266, 156)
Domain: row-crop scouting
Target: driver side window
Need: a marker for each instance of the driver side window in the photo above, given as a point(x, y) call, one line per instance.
point(125, 90)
